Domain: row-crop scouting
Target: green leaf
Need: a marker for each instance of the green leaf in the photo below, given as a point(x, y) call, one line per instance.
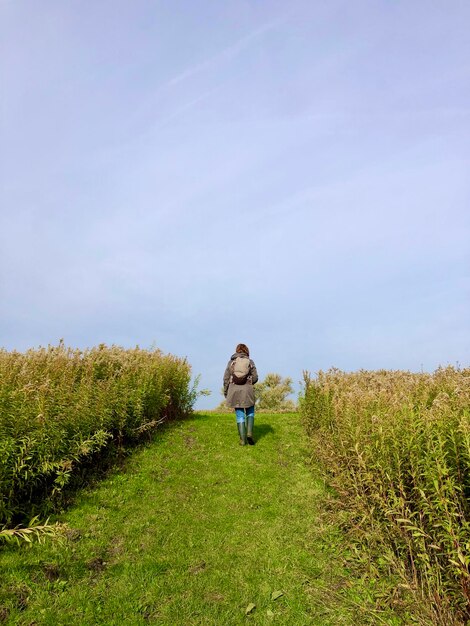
point(276, 594)
point(250, 608)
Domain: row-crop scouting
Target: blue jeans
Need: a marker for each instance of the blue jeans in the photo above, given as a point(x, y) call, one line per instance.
point(240, 414)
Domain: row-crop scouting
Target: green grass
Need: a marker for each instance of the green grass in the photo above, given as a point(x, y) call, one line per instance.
point(190, 531)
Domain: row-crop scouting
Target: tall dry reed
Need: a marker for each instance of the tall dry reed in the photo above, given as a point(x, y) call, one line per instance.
point(60, 405)
point(398, 448)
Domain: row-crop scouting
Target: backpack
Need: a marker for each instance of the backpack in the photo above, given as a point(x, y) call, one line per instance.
point(240, 369)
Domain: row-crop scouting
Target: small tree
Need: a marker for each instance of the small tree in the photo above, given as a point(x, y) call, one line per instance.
point(271, 394)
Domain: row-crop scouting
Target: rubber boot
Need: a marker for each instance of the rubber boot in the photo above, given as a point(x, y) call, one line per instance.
point(241, 432)
point(250, 420)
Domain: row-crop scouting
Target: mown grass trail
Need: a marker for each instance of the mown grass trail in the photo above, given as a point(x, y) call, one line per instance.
point(193, 530)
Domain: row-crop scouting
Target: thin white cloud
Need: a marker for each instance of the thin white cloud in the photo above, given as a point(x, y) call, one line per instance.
point(224, 55)
point(213, 62)
point(185, 108)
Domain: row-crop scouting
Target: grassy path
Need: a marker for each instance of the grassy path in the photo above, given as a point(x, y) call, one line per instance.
point(192, 531)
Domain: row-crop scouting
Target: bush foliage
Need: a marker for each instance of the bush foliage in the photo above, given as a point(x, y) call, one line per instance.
point(398, 446)
point(60, 405)
point(272, 394)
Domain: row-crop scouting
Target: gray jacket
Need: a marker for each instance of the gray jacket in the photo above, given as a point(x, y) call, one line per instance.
point(240, 396)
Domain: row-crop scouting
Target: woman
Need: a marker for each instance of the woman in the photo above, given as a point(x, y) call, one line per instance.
point(239, 377)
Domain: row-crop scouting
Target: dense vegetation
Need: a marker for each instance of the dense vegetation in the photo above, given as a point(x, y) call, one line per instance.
point(398, 446)
point(59, 406)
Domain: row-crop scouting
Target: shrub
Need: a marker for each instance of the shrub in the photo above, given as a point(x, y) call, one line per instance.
point(398, 447)
point(272, 394)
point(59, 405)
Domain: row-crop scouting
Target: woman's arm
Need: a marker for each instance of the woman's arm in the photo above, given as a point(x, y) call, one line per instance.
point(227, 375)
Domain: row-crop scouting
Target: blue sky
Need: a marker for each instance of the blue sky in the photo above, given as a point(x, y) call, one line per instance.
point(192, 174)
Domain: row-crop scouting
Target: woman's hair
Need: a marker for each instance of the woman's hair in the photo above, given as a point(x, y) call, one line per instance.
point(242, 348)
